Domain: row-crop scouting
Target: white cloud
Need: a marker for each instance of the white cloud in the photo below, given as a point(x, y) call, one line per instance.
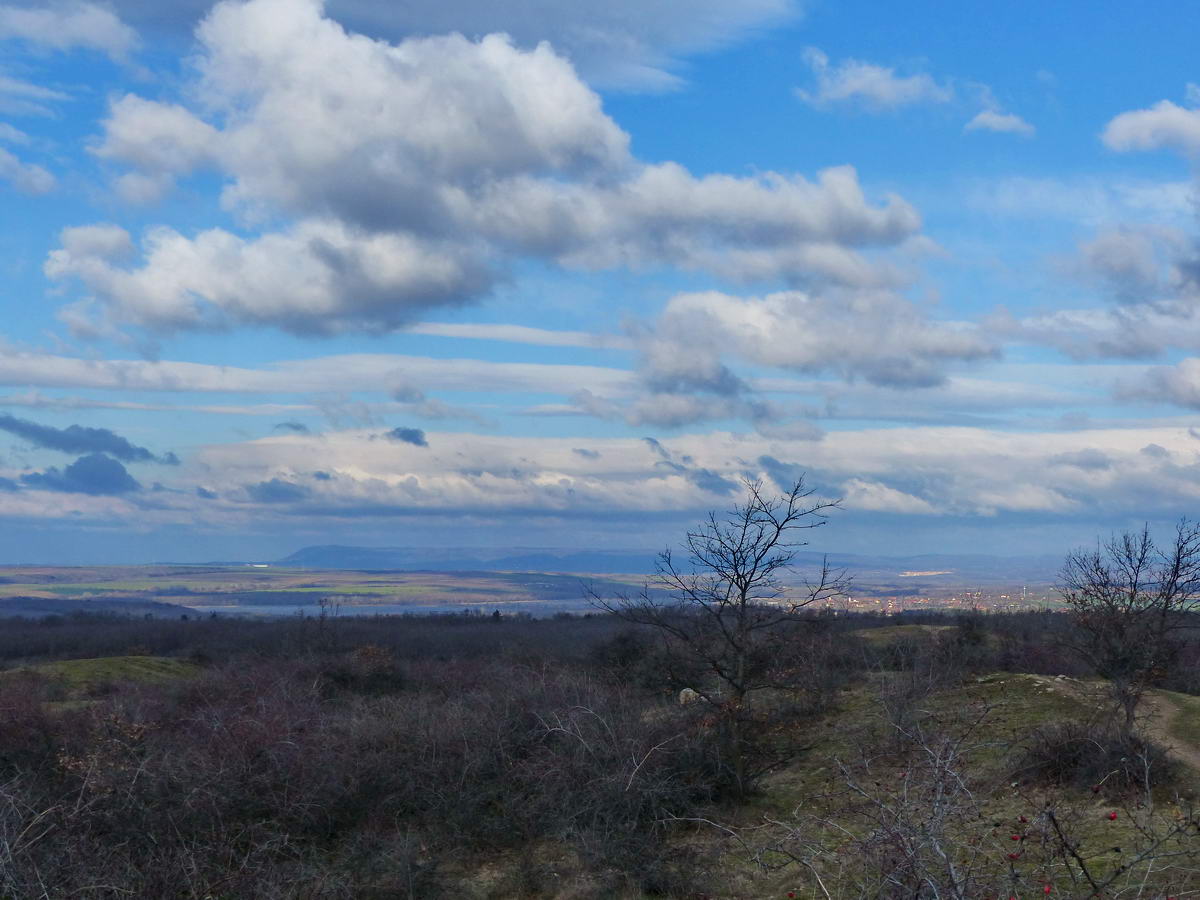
point(12, 135)
point(463, 156)
point(867, 85)
point(875, 497)
point(1163, 126)
point(344, 373)
point(24, 176)
point(1005, 123)
point(521, 334)
point(1131, 331)
point(69, 25)
point(23, 98)
point(924, 471)
point(686, 356)
point(1146, 264)
point(161, 140)
point(319, 277)
point(875, 335)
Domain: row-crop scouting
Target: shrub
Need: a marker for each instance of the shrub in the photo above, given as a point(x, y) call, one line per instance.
point(1087, 755)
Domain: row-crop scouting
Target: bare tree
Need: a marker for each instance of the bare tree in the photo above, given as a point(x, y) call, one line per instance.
point(1128, 598)
point(727, 612)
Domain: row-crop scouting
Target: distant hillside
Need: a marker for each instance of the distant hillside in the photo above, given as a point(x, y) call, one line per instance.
point(908, 572)
point(333, 556)
point(37, 607)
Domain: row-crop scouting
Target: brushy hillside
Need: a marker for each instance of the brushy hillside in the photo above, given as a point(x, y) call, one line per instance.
point(459, 757)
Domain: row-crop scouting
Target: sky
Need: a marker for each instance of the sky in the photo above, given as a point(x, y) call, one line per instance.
point(557, 274)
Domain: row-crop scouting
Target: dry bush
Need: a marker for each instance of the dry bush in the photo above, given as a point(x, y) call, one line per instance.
point(255, 780)
point(1095, 754)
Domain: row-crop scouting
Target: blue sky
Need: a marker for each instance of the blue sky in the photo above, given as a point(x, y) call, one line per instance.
point(540, 273)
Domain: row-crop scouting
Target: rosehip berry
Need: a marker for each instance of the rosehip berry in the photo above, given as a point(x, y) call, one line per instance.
point(1112, 816)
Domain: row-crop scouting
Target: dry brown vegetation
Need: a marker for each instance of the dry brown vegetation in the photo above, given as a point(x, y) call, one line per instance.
point(459, 756)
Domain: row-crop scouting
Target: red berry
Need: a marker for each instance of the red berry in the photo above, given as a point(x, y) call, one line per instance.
point(1023, 820)
point(1014, 856)
point(1046, 889)
point(1112, 816)
point(1016, 837)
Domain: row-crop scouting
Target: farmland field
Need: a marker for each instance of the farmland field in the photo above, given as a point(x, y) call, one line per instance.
point(161, 589)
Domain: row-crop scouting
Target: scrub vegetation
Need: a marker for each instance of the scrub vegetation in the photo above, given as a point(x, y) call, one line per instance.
point(471, 757)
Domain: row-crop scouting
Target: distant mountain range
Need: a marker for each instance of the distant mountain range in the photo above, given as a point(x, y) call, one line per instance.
point(915, 572)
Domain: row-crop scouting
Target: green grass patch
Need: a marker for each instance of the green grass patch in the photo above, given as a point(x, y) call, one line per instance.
point(896, 633)
point(81, 676)
point(1186, 725)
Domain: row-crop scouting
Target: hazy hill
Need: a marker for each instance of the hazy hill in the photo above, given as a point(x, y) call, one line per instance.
point(913, 572)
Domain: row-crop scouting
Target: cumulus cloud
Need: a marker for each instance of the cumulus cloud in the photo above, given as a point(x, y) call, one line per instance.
point(80, 439)
point(1163, 126)
point(1146, 264)
point(318, 278)
point(94, 474)
point(69, 26)
point(161, 140)
point(875, 335)
point(420, 175)
point(1005, 123)
point(867, 85)
point(25, 177)
point(414, 436)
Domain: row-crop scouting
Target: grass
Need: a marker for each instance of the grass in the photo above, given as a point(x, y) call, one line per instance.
point(896, 633)
point(1012, 706)
point(1186, 725)
point(80, 677)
